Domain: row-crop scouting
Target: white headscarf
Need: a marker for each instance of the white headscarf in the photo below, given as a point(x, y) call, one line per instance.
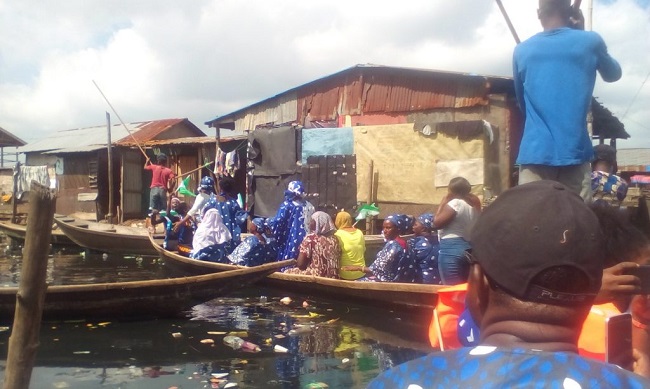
point(210, 231)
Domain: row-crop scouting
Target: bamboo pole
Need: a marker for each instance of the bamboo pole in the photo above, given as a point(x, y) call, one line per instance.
point(24, 338)
point(121, 121)
point(508, 22)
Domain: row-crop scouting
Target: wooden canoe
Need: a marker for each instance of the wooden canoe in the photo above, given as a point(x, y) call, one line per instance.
point(138, 299)
point(418, 298)
point(18, 232)
point(104, 237)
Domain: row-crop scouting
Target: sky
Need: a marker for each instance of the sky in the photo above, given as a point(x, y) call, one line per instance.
point(158, 59)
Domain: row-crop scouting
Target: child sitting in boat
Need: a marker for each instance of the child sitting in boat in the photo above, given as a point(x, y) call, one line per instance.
point(254, 250)
point(171, 218)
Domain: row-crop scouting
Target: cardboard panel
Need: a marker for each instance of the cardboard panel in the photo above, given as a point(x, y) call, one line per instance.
point(405, 161)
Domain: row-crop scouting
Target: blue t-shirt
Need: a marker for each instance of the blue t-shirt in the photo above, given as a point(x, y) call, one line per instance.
point(491, 367)
point(554, 73)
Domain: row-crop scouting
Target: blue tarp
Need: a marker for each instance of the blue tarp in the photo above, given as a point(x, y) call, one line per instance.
point(327, 141)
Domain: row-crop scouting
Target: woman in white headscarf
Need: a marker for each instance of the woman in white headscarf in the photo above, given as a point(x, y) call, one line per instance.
point(319, 253)
point(212, 239)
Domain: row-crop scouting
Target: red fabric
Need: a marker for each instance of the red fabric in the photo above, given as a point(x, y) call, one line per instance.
point(401, 242)
point(161, 175)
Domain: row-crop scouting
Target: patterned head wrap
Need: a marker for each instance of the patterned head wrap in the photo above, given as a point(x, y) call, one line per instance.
point(343, 220)
point(175, 202)
point(260, 224)
point(296, 189)
point(427, 220)
point(400, 221)
point(324, 224)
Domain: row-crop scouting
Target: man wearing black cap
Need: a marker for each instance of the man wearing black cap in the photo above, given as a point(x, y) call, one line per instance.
point(161, 182)
point(554, 75)
point(533, 279)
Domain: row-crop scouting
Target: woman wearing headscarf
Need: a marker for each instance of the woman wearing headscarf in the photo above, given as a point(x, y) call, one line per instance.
point(254, 250)
point(424, 246)
point(291, 223)
point(394, 263)
point(353, 246)
point(454, 218)
point(212, 240)
point(232, 214)
point(319, 252)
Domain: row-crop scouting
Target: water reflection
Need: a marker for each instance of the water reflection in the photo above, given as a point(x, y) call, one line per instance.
point(328, 343)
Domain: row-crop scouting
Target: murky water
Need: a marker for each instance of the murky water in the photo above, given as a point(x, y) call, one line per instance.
point(329, 344)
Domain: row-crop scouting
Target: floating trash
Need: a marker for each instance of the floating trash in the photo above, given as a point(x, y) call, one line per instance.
point(286, 300)
point(279, 349)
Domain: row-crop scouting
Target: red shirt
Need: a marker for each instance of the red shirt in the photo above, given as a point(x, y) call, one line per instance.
point(161, 175)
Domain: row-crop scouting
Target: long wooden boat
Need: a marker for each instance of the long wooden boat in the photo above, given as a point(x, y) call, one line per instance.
point(418, 298)
point(107, 238)
point(138, 299)
point(18, 232)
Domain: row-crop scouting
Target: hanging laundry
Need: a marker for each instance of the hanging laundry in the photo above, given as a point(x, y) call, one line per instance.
point(232, 163)
point(26, 174)
point(220, 163)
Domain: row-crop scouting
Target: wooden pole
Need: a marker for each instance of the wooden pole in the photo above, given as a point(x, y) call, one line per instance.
point(14, 200)
point(216, 154)
point(109, 153)
point(508, 22)
point(371, 173)
point(120, 119)
point(24, 338)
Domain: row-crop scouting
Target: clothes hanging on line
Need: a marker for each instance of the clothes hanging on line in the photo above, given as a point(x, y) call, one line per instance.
point(26, 174)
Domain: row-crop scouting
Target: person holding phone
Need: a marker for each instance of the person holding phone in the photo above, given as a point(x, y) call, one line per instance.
point(533, 278)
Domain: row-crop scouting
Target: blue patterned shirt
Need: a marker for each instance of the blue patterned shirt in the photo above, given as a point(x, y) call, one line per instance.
point(490, 367)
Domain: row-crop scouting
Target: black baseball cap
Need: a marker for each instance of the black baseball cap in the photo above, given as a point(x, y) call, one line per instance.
point(534, 227)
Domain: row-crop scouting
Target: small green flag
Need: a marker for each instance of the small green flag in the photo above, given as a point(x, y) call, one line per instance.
point(182, 188)
point(367, 210)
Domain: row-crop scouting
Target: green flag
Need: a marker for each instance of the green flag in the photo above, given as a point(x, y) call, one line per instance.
point(367, 210)
point(182, 188)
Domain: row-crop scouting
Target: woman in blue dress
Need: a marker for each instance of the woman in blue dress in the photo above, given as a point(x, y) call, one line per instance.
point(255, 249)
point(393, 263)
point(424, 246)
point(232, 214)
point(212, 240)
point(291, 223)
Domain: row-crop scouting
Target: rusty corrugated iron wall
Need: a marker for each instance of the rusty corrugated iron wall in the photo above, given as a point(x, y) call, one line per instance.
point(381, 90)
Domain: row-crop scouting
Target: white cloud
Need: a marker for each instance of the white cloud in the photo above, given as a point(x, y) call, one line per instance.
point(201, 59)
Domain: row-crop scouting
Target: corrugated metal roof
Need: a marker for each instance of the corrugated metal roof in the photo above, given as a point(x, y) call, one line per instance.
point(9, 139)
point(193, 140)
point(632, 157)
point(94, 138)
point(373, 88)
point(150, 130)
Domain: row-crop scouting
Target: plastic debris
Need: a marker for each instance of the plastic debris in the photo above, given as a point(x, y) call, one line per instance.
point(216, 332)
point(237, 343)
point(230, 385)
point(219, 375)
point(177, 335)
point(305, 304)
point(279, 349)
point(263, 299)
point(207, 341)
point(345, 360)
point(317, 385)
point(286, 300)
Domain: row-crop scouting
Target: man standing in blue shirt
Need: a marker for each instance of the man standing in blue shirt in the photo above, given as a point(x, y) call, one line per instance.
point(554, 73)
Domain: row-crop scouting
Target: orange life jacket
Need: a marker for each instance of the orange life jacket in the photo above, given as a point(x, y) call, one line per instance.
point(451, 303)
